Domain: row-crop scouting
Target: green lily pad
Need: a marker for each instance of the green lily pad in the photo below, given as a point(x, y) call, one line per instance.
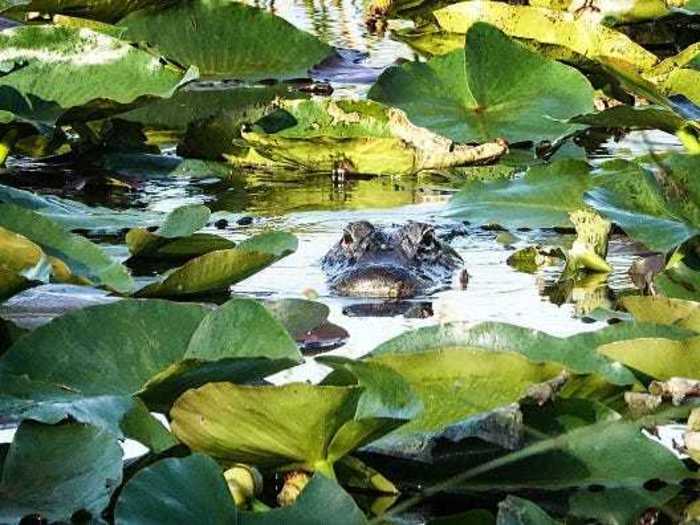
point(217, 270)
point(321, 502)
point(143, 244)
point(658, 358)
point(619, 506)
point(542, 198)
point(456, 383)
point(201, 102)
point(276, 426)
point(298, 316)
point(606, 454)
point(628, 117)
point(184, 221)
point(660, 211)
point(577, 353)
point(63, 58)
point(461, 95)
point(662, 310)
point(55, 471)
point(680, 280)
point(156, 494)
point(83, 258)
point(176, 238)
point(113, 352)
point(228, 39)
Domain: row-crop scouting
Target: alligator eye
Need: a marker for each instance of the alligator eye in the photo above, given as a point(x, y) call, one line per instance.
point(427, 242)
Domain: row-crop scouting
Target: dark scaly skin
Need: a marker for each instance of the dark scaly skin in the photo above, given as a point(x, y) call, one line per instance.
point(396, 263)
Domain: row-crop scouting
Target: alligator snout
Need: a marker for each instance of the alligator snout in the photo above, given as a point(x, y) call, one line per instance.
point(377, 281)
point(395, 263)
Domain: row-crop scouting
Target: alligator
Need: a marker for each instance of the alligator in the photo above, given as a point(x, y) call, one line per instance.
point(396, 263)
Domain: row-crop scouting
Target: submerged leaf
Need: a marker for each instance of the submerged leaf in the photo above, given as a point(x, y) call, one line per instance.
point(464, 96)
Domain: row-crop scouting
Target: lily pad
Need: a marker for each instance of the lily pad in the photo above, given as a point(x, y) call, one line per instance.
point(544, 197)
point(656, 205)
point(228, 39)
point(217, 270)
point(577, 353)
point(83, 258)
point(73, 214)
point(274, 426)
point(462, 96)
point(357, 136)
point(63, 58)
point(456, 383)
point(583, 35)
point(55, 471)
point(113, 352)
point(519, 511)
point(103, 10)
point(662, 310)
point(658, 358)
point(155, 495)
point(629, 117)
point(176, 238)
point(321, 502)
point(606, 454)
point(298, 316)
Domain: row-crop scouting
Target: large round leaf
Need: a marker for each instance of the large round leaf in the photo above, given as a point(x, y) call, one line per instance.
point(51, 69)
point(456, 383)
point(659, 358)
point(228, 39)
point(469, 96)
point(301, 425)
point(83, 258)
point(178, 491)
point(662, 310)
point(542, 198)
point(192, 489)
point(577, 353)
point(154, 349)
point(55, 471)
point(584, 35)
point(662, 211)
